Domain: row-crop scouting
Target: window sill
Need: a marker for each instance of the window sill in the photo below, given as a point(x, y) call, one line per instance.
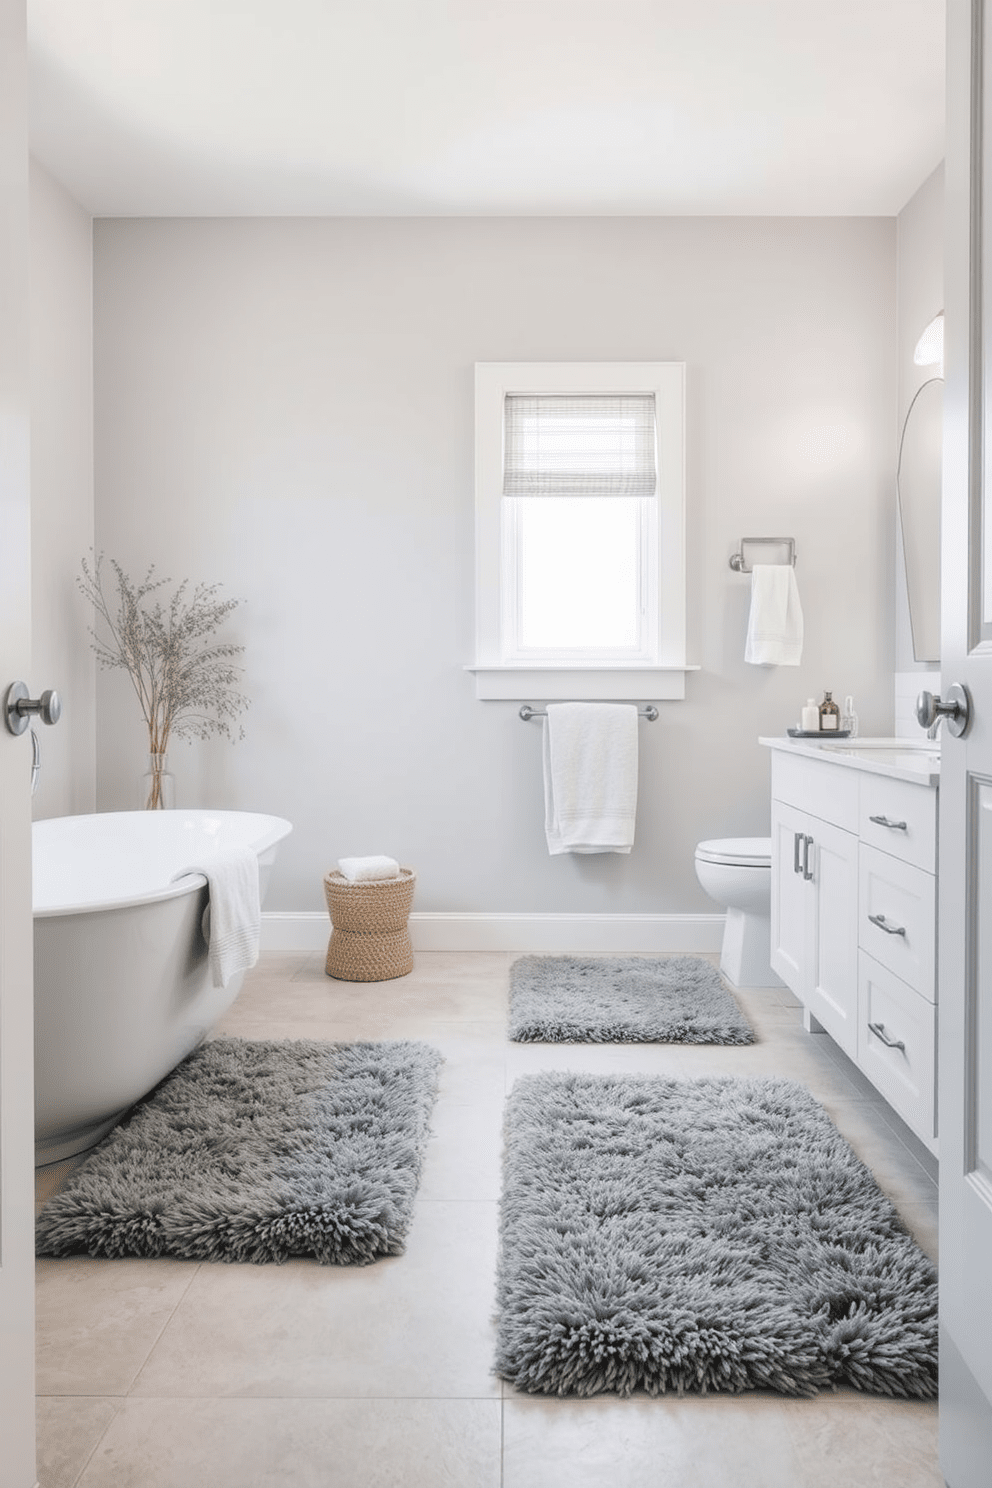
point(518, 683)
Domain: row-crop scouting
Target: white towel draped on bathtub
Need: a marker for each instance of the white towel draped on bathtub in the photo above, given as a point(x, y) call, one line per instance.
point(590, 777)
point(775, 624)
point(232, 921)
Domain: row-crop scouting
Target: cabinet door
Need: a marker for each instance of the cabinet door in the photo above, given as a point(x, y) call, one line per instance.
point(791, 900)
point(832, 990)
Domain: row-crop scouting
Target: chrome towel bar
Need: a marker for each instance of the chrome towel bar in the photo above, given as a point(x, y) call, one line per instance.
point(650, 712)
point(776, 550)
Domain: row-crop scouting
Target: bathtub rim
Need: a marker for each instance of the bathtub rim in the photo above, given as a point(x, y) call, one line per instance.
point(277, 828)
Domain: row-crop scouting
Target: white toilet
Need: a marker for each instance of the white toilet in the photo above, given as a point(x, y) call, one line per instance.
point(737, 873)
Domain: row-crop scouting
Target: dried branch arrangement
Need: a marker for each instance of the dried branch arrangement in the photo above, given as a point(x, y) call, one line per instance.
point(186, 682)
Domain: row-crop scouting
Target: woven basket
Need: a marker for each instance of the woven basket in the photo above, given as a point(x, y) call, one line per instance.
point(369, 937)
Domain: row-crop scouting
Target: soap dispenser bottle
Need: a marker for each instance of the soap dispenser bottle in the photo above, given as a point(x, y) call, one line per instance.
point(809, 720)
point(829, 715)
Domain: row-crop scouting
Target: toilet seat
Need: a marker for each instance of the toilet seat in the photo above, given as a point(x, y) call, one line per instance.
point(739, 852)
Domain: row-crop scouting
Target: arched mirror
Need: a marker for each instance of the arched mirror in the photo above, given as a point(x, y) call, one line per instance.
point(918, 482)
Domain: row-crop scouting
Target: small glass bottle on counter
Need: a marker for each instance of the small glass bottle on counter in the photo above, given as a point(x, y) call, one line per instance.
point(829, 715)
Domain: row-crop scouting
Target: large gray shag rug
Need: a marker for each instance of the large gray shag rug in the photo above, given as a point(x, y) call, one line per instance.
point(622, 1000)
point(711, 1234)
point(259, 1151)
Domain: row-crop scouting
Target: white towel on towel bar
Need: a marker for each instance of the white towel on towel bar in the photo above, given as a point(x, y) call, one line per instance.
point(367, 870)
point(232, 920)
point(590, 777)
point(775, 624)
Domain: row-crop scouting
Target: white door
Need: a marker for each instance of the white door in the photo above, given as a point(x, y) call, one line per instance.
point(965, 856)
point(17, 1454)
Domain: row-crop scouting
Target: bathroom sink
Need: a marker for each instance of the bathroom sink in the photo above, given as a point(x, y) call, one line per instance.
point(925, 746)
point(915, 759)
point(905, 754)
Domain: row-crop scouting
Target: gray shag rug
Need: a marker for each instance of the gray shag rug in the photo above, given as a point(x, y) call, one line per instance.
point(259, 1151)
point(712, 1234)
point(622, 1000)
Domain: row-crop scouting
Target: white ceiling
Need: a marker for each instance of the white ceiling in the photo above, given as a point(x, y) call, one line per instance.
point(488, 107)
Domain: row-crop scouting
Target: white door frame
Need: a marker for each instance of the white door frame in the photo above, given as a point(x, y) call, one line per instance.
point(965, 853)
point(17, 1408)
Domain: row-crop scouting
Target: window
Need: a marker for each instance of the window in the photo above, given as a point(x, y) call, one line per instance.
point(580, 529)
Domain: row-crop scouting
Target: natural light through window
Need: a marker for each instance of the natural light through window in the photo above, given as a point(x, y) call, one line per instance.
point(579, 575)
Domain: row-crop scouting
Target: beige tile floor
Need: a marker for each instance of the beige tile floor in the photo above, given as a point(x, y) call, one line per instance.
point(168, 1374)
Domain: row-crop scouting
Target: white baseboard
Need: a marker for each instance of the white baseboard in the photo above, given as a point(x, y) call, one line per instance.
point(562, 934)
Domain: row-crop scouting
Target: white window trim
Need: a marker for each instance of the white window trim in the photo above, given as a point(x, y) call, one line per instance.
point(663, 676)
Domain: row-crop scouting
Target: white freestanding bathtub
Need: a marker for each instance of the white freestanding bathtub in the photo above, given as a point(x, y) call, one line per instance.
point(122, 985)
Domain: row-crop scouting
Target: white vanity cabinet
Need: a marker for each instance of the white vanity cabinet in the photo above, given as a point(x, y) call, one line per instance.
point(853, 910)
point(814, 940)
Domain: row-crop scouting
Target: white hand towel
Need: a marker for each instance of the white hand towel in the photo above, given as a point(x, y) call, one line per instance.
point(364, 870)
point(775, 624)
point(232, 922)
point(590, 777)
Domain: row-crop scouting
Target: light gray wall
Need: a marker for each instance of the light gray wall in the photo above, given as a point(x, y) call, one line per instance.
point(286, 407)
point(61, 488)
point(919, 296)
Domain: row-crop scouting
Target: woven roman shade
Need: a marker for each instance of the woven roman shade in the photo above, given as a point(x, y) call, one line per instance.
point(579, 444)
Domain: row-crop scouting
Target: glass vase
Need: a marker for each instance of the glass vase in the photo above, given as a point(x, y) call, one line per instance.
point(158, 786)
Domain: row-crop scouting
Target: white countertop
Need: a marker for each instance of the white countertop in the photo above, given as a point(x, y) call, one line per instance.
point(917, 760)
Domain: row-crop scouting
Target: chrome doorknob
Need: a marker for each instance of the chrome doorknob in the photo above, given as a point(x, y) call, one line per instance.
point(19, 706)
point(956, 712)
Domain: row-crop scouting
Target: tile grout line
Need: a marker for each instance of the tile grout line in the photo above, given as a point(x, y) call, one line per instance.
point(445, 1399)
point(99, 1442)
point(161, 1332)
point(502, 1437)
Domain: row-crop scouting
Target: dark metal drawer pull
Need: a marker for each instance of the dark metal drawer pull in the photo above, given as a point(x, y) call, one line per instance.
point(878, 1029)
point(883, 924)
point(883, 821)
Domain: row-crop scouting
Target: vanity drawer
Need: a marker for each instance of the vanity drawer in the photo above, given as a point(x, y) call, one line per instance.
point(819, 788)
point(900, 818)
point(891, 1015)
point(896, 908)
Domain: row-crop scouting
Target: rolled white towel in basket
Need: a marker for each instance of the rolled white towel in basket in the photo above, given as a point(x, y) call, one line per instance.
point(365, 870)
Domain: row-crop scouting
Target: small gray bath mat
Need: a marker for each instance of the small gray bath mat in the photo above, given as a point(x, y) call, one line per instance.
point(711, 1234)
point(259, 1151)
point(622, 1000)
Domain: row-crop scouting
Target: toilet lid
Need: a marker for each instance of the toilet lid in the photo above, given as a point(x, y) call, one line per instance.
point(749, 852)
